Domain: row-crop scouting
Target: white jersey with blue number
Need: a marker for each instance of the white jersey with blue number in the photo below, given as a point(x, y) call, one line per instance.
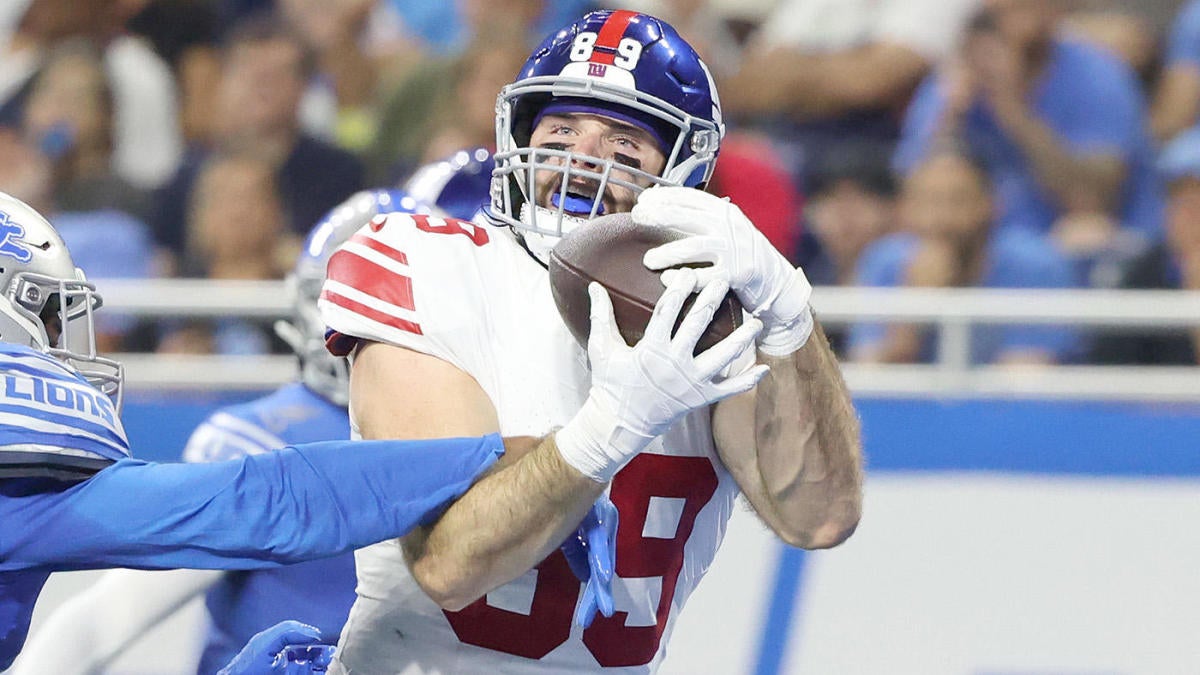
point(48, 411)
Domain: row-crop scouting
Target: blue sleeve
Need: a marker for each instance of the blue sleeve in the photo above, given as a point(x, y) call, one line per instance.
point(1183, 44)
point(303, 502)
point(920, 123)
point(1114, 125)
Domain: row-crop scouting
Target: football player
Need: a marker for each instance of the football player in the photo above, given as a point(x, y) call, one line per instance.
point(614, 113)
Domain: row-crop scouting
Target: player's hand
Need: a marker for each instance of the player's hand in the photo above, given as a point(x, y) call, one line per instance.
point(769, 286)
point(266, 652)
point(639, 392)
point(591, 552)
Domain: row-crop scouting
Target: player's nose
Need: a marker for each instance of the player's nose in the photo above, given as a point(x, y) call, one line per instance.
point(587, 145)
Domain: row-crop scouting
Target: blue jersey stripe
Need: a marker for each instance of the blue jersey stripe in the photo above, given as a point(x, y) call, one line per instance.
point(35, 370)
point(67, 421)
point(11, 436)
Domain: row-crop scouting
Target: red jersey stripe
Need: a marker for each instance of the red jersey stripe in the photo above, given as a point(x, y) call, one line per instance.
point(610, 36)
point(368, 277)
point(371, 313)
point(376, 245)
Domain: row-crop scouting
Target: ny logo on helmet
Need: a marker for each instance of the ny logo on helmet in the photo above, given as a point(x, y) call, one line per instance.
point(10, 233)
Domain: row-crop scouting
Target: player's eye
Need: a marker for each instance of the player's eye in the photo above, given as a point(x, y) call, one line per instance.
point(627, 142)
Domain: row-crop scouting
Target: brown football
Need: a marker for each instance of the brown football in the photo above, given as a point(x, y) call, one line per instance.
point(609, 250)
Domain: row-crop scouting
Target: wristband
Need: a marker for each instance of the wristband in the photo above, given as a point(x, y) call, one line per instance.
point(782, 335)
point(595, 444)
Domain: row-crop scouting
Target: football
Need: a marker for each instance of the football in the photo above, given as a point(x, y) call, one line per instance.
point(609, 250)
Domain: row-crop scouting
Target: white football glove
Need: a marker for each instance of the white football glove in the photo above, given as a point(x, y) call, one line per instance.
point(768, 286)
point(638, 392)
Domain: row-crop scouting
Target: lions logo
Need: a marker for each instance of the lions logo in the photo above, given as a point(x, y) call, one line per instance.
point(10, 235)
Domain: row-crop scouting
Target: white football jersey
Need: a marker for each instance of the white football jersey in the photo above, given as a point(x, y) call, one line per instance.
point(470, 294)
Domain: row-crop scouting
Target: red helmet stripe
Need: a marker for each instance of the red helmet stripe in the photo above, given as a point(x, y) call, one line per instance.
point(610, 36)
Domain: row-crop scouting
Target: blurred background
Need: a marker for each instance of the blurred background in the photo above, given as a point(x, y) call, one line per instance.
point(999, 201)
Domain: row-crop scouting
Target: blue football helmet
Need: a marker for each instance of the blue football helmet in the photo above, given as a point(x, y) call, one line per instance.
point(324, 373)
point(619, 63)
point(457, 186)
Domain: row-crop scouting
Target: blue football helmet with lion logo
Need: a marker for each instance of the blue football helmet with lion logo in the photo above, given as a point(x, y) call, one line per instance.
point(621, 64)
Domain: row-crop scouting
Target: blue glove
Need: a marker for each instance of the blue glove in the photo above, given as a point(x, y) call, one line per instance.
point(279, 650)
point(591, 553)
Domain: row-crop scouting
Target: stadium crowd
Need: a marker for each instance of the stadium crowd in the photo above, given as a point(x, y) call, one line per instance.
point(934, 143)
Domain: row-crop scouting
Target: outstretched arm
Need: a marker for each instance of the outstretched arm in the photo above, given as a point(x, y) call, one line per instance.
point(804, 86)
point(301, 503)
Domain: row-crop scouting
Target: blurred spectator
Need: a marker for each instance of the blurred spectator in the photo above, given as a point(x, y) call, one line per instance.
point(264, 73)
point(448, 103)
point(827, 70)
point(948, 240)
point(1177, 99)
point(69, 117)
point(1171, 264)
point(106, 243)
point(147, 138)
point(448, 28)
point(1123, 32)
point(236, 230)
point(353, 41)
point(1060, 123)
point(851, 203)
point(68, 123)
point(236, 223)
point(186, 35)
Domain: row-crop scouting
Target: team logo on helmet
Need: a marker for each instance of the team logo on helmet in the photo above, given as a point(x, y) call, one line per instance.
point(10, 233)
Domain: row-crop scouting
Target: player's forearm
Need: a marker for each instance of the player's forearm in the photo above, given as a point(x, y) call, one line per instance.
point(802, 467)
point(876, 76)
point(501, 528)
point(1076, 183)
